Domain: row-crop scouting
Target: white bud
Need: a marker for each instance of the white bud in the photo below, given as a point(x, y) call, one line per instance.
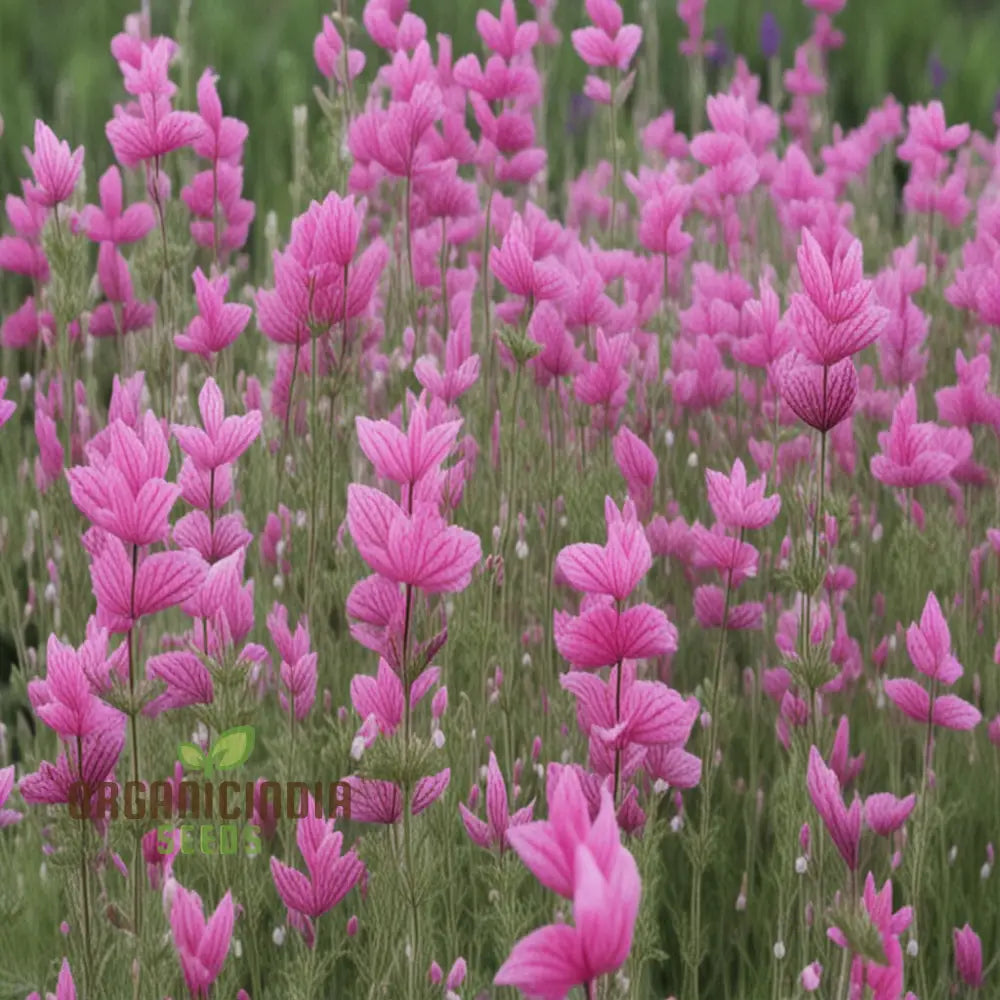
point(877, 533)
point(43, 872)
point(526, 660)
point(50, 593)
point(661, 787)
point(692, 460)
point(357, 748)
point(449, 609)
point(892, 643)
point(566, 756)
point(912, 948)
point(278, 936)
point(279, 549)
point(278, 582)
point(984, 872)
point(26, 383)
point(952, 854)
point(741, 903)
point(494, 896)
point(301, 519)
point(668, 438)
point(779, 950)
point(408, 952)
point(438, 738)
point(483, 771)
point(677, 824)
point(237, 947)
point(521, 549)
point(801, 865)
point(539, 771)
point(563, 520)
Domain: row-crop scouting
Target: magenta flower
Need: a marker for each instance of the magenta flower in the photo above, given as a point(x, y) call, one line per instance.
point(609, 42)
point(7, 408)
point(201, 945)
point(109, 224)
point(55, 168)
point(843, 824)
point(917, 454)
point(885, 814)
point(65, 987)
point(218, 323)
point(122, 490)
point(406, 458)
point(51, 784)
point(332, 60)
point(494, 833)
point(8, 817)
point(584, 862)
point(224, 438)
point(420, 549)
point(968, 956)
point(332, 875)
point(820, 396)
point(376, 801)
point(837, 316)
point(929, 646)
point(738, 505)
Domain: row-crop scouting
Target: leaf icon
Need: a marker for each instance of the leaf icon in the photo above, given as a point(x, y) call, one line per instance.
point(191, 756)
point(232, 748)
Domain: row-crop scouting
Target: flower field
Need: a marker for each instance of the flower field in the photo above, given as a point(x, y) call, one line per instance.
point(517, 552)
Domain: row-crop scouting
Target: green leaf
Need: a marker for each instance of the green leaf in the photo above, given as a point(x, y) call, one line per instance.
point(233, 747)
point(191, 756)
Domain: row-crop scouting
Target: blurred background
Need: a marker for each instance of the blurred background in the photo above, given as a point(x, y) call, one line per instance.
point(55, 63)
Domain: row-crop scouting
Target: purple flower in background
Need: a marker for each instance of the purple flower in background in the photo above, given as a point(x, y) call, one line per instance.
point(937, 72)
point(581, 110)
point(719, 53)
point(770, 35)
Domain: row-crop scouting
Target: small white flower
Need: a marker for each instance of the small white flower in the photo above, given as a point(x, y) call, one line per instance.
point(27, 382)
point(521, 549)
point(984, 872)
point(43, 872)
point(912, 948)
point(278, 936)
point(661, 787)
point(526, 660)
point(301, 519)
point(50, 593)
point(563, 520)
point(483, 771)
point(494, 896)
point(668, 438)
point(741, 903)
point(449, 609)
point(892, 643)
point(801, 865)
point(237, 947)
point(438, 738)
point(692, 460)
point(877, 533)
point(779, 950)
point(279, 549)
point(952, 854)
point(357, 747)
point(566, 756)
point(539, 771)
point(278, 582)
point(677, 824)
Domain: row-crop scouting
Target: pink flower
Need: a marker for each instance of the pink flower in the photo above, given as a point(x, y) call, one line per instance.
point(328, 51)
point(8, 817)
point(495, 832)
point(737, 505)
point(968, 956)
point(837, 316)
point(218, 323)
point(65, 987)
point(224, 438)
point(406, 458)
point(929, 645)
point(843, 824)
point(55, 168)
point(885, 814)
point(109, 224)
point(332, 875)
point(820, 396)
point(7, 408)
point(916, 454)
point(420, 549)
point(609, 42)
point(201, 945)
point(613, 569)
point(586, 863)
point(376, 801)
